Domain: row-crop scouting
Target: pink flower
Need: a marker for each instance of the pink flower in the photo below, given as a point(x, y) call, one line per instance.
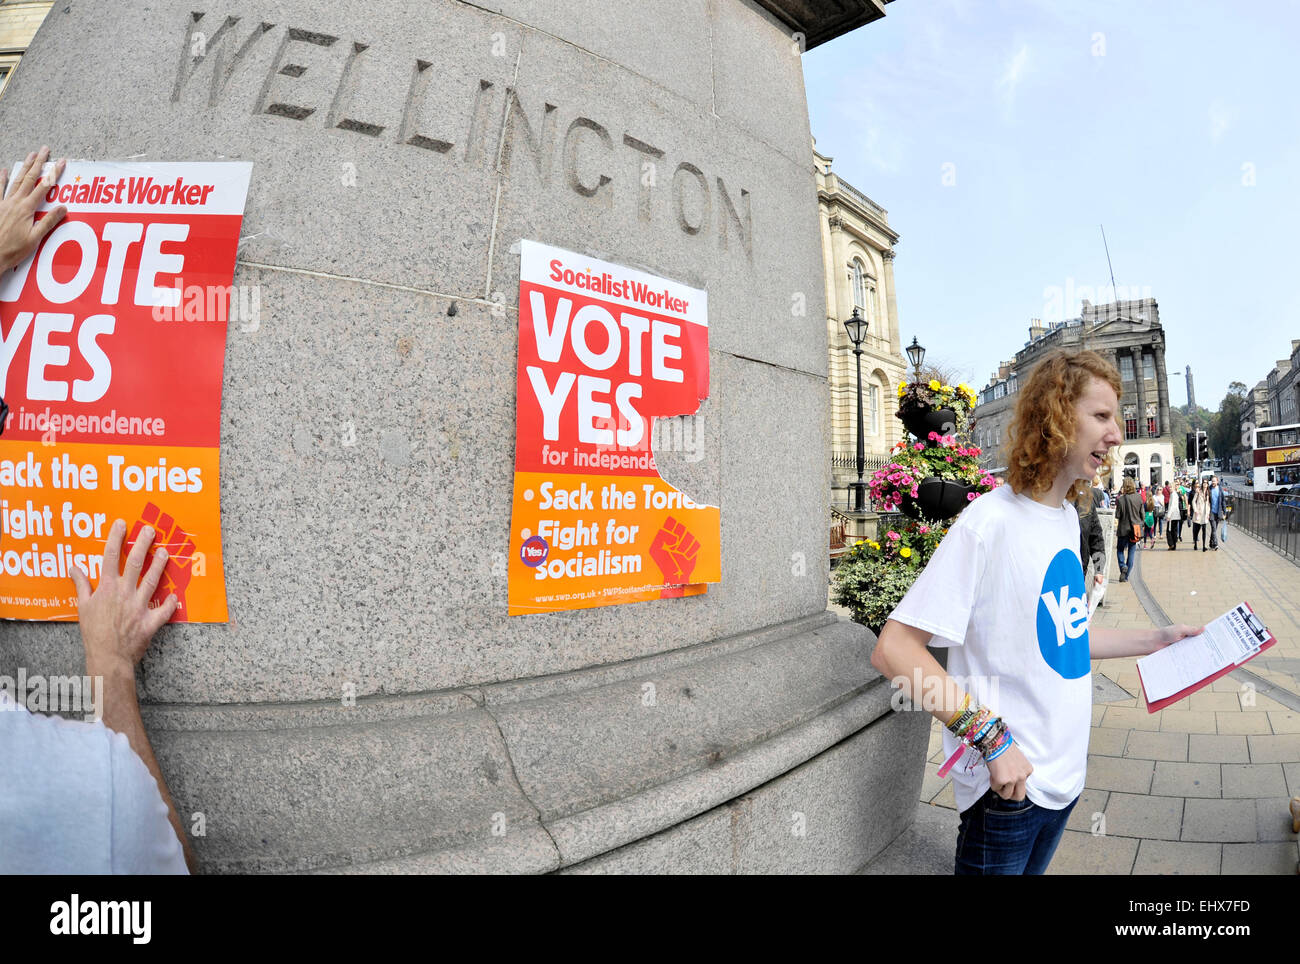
point(924, 529)
point(894, 537)
point(934, 435)
point(970, 496)
point(948, 458)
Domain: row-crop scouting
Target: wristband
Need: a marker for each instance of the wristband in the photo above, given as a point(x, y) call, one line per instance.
point(1000, 750)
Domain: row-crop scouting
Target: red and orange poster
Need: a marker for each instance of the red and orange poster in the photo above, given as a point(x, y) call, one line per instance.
point(114, 339)
point(603, 351)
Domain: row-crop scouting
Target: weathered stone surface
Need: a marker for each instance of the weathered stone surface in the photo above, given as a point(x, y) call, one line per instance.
point(368, 428)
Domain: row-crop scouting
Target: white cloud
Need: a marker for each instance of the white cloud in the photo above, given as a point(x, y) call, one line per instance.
point(1011, 77)
point(1221, 117)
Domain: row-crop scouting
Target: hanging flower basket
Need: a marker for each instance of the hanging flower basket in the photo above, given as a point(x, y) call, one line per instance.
point(930, 406)
point(937, 499)
point(922, 421)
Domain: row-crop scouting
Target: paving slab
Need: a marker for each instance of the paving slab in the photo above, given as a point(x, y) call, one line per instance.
point(1187, 780)
point(1218, 748)
point(1284, 721)
point(1253, 780)
point(1116, 773)
point(1088, 811)
point(1130, 718)
point(1105, 741)
point(1178, 857)
point(1292, 772)
point(1226, 821)
point(1145, 817)
point(1259, 858)
point(1247, 723)
point(1187, 721)
point(1274, 748)
point(1147, 745)
point(1093, 855)
point(1273, 819)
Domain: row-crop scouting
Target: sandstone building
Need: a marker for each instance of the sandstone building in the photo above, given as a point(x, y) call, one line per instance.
point(1129, 333)
point(858, 253)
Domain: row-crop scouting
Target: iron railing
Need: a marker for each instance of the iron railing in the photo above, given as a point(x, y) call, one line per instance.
point(1267, 520)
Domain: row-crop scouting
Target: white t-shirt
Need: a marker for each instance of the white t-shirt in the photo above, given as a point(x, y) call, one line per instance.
point(1005, 591)
point(76, 799)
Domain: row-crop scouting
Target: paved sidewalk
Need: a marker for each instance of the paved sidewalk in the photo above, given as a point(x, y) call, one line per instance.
point(1202, 787)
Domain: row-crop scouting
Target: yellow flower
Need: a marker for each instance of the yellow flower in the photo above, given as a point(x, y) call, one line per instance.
point(934, 385)
point(902, 389)
point(947, 389)
point(873, 544)
point(905, 552)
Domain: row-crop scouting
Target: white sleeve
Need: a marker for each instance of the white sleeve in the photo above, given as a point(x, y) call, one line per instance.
point(144, 841)
point(943, 597)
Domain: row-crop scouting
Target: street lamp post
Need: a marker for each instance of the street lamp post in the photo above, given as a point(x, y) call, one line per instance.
point(856, 326)
point(917, 355)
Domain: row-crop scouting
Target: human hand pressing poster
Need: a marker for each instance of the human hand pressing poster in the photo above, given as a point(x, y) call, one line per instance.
point(604, 350)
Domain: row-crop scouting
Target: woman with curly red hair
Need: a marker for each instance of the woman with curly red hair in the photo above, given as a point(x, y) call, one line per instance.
point(1004, 592)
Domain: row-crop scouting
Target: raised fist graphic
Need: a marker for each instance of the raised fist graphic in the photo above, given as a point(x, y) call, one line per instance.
point(180, 554)
point(675, 552)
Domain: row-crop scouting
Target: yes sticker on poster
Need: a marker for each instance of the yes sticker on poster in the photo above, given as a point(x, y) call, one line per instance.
point(603, 351)
point(114, 339)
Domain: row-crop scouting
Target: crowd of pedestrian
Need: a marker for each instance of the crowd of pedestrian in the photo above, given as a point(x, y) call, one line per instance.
point(1143, 513)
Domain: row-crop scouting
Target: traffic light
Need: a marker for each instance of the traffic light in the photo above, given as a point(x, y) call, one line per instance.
point(1191, 446)
point(1203, 454)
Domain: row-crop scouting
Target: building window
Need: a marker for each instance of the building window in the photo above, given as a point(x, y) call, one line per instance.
point(1126, 367)
point(1153, 428)
point(873, 408)
point(859, 288)
point(1130, 422)
point(1149, 367)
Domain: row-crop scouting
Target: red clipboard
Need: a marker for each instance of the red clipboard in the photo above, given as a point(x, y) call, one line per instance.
point(1161, 704)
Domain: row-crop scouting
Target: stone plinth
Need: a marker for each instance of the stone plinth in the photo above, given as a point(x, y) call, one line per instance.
point(401, 150)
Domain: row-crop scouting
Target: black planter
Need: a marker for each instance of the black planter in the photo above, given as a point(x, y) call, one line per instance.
point(922, 421)
point(937, 499)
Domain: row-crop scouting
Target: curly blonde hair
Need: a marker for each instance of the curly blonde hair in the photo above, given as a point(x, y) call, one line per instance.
point(1043, 426)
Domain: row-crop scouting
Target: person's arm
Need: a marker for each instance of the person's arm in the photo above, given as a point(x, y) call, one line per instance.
point(900, 656)
point(19, 235)
point(1111, 643)
point(117, 626)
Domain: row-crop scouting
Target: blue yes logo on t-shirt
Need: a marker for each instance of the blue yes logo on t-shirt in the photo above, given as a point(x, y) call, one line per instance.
point(1063, 617)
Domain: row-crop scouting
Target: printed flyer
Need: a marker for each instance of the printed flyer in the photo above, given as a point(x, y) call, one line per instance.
point(114, 340)
point(603, 351)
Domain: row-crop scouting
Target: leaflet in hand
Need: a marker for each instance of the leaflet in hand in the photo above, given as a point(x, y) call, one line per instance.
point(1182, 668)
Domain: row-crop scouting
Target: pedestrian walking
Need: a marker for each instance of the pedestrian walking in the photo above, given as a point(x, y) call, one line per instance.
point(1128, 517)
point(1159, 508)
point(1200, 516)
point(1011, 552)
point(1217, 515)
point(1175, 511)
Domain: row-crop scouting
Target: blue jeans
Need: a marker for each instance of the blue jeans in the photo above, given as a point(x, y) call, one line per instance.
point(999, 836)
point(1125, 546)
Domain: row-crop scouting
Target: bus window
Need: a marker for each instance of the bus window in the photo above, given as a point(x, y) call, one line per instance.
point(1270, 477)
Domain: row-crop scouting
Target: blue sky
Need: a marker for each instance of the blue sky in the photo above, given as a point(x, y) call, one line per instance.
point(1055, 116)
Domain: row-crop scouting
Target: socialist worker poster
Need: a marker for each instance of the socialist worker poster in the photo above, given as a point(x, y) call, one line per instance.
point(114, 338)
point(603, 351)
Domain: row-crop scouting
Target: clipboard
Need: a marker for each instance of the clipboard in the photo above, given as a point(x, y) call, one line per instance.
point(1182, 694)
